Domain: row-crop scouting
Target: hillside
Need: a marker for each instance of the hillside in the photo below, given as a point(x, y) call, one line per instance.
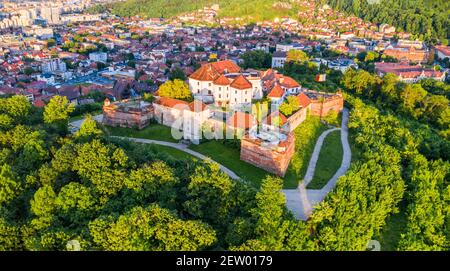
point(427, 19)
point(158, 8)
point(251, 10)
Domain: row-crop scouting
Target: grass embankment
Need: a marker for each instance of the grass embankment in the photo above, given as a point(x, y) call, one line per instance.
point(306, 136)
point(330, 159)
point(153, 131)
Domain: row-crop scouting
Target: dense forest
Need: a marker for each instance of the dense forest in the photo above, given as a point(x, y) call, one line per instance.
point(427, 19)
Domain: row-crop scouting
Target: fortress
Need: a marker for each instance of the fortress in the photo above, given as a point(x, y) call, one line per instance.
point(268, 144)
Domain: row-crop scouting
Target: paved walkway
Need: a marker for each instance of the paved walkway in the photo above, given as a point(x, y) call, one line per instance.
point(301, 201)
point(182, 148)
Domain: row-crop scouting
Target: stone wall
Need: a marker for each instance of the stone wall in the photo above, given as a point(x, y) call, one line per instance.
point(322, 109)
point(167, 115)
point(274, 160)
point(132, 118)
point(296, 119)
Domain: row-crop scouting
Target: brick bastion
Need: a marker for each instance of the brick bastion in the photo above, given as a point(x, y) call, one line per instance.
point(127, 113)
point(272, 156)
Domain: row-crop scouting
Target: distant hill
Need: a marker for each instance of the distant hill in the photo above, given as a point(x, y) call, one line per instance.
point(427, 19)
point(250, 10)
point(158, 8)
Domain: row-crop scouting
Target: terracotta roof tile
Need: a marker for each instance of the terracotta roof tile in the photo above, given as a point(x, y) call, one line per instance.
point(276, 92)
point(303, 100)
point(241, 83)
point(170, 102)
point(222, 81)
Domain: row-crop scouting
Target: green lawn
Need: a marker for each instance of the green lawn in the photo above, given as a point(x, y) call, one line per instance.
point(230, 158)
point(306, 136)
point(330, 159)
point(153, 131)
point(174, 153)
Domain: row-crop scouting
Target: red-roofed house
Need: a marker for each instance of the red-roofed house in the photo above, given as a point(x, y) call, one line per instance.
point(224, 82)
point(277, 95)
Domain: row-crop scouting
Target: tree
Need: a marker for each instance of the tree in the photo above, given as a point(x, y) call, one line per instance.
point(101, 165)
point(58, 110)
point(208, 190)
point(411, 97)
point(88, 129)
point(44, 201)
point(297, 56)
point(289, 106)
point(17, 107)
point(177, 73)
point(9, 186)
point(152, 228)
point(28, 71)
point(10, 237)
point(76, 201)
point(257, 59)
point(176, 89)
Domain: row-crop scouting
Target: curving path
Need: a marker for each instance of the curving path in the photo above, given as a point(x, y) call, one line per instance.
point(301, 201)
point(183, 148)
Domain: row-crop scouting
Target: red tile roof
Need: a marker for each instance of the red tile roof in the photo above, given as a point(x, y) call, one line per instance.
point(303, 100)
point(241, 83)
point(211, 71)
point(205, 73)
point(169, 102)
point(226, 66)
point(276, 92)
point(222, 81)
point(289, 82)
point(195, 106)
point(38, 103)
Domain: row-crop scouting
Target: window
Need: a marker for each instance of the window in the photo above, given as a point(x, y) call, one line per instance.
point(220, 88)
point(235, 92)
point(198, 83)
point(220, 96)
